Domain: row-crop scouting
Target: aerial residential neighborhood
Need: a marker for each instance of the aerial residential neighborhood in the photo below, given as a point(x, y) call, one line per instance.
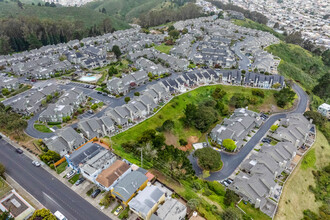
point(196, 118)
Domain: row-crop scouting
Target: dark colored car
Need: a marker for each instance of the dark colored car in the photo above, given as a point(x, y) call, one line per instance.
point(95, 193)
point(80, 181)
point(19, 151)
point(0, 137)
point(99, 92)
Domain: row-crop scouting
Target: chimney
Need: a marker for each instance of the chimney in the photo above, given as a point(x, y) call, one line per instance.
point(257, 204)
point(296, 143)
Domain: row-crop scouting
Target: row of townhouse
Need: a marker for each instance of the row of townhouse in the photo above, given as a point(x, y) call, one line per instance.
point(9, 83)
point(141, 106)
point(66, 105)
point(260, 181)
point(237, 127)
point(31, 101)
point(150, 67)
point(128, 82)
point(127, 183)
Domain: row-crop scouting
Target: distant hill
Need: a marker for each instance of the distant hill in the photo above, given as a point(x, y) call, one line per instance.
point(125, 9)
point(86, 16)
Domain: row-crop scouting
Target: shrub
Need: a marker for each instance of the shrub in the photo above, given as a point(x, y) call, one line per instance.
point(183, 142)
point(273, 128)
point(229, 144)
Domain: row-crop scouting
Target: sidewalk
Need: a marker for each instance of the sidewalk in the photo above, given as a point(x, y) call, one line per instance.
point(22, 192)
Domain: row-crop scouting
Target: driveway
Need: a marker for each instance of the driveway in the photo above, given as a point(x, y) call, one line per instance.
point(232, 161)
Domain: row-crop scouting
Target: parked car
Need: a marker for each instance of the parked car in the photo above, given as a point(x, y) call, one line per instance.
point(18, 150)
point(0, 137)
point(59, 216)
point(80, 181)
point(36, 163)
point(98, 92)
point(266, 140)
point(118, 210)
point(71, 174)
point(95, 193)
point(90, 112)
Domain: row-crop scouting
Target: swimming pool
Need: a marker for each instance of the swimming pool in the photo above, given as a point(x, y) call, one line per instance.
point(88, 78)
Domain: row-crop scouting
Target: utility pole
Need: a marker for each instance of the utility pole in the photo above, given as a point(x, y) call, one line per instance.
point(141, 158)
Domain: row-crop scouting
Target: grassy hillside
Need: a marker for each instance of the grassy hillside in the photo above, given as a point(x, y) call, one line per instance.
point(299, 64)
point(254, 25)
point(87, 16)
point(125, 9)
point(296, 196)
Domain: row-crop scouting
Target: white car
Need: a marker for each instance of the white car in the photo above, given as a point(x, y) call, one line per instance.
point(71, 174)
point(36, 163)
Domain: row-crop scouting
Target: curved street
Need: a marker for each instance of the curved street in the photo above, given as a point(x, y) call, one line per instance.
point(232, 161)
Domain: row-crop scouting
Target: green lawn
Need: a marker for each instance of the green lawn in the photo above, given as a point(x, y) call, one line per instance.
point(163, 48)
point(60, 168)
point(20, 90)
point(4, 188)
point(42, 128)
point(174, 110)
point(74, 178)
point(253, 212)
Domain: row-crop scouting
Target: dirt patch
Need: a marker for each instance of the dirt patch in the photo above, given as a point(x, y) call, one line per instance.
point(31, 145)
point(191, 141)
point(171, 139)
point(296, 159)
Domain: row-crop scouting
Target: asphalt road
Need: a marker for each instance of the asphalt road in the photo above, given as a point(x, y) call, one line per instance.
point(49, 191)
point(232, 161)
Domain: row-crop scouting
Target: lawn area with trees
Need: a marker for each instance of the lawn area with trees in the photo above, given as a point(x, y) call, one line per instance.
point(164, 48)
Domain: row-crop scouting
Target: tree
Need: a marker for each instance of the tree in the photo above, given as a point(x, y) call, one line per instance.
point(193, 203)
point(136, 94)
point(127, 99)
point(284, 96)
point(230, 197)
point(183, 142)
point(52, 5)
point(104, 11)
point(49, 98)
point(116, 50)
point(322, 89)
point(232, 213)
point(238, 100)
point(258, 92)
point(6, 216)
point(50, 157)
point(295, 38)
point(184, 31)
point(2, 170)
point(326, 57)
point(273, 128)
point(218, 93)
point(208, 158)
point(168, 125)
point(171, 28)
point(5, 91)
point(174, 34)
point(94, 106)
point(112, 71)
point(229, 144)
point(43, 214)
